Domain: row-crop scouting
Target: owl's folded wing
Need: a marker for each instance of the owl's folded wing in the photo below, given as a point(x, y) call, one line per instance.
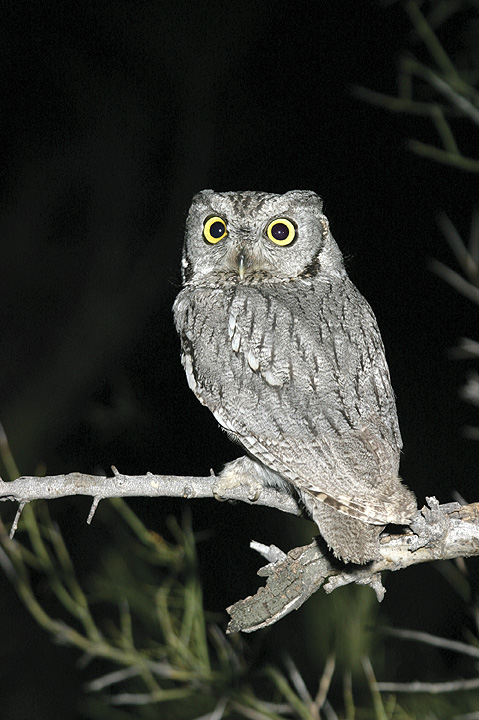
point(311, 398)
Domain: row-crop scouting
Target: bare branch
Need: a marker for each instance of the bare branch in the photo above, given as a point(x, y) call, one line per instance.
point(436, 533)
point(25, 489)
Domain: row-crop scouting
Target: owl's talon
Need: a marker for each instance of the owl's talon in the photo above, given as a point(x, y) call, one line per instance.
point(224, 484)
point(238, 473)
point(217, 496)
point(256, 496)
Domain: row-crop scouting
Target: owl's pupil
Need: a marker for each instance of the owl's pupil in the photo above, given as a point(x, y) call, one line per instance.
point(280, 231)
point(217, 229)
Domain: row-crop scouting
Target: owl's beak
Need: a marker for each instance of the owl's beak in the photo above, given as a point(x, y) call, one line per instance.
point(241, 265)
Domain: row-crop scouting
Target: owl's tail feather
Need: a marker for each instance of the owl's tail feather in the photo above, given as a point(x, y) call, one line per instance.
point(398, 508)
point(350, 540)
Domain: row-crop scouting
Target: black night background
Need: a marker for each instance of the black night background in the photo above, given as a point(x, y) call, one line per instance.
point(112, 116)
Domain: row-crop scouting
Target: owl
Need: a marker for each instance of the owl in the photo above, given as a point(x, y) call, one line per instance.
point(286, 353)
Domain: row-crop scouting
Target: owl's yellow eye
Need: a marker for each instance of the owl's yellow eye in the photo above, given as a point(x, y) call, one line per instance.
point(214, 229)
point(281, 231)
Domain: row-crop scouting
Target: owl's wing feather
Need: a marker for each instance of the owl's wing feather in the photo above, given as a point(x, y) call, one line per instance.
point(300, 378)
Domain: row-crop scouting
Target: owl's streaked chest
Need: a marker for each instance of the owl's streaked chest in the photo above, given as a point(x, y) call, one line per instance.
point(236, 316)
point(255, 336)
point(310, 345)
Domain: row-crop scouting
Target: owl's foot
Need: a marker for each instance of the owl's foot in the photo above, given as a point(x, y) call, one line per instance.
point(240, 472)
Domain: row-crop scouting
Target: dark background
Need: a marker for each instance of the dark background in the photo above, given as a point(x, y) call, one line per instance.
point(112, 116)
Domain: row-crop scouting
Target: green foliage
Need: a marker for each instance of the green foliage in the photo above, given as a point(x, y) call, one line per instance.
point(141, 628)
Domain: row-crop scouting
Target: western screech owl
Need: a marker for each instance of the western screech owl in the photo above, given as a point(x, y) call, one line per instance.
point(286, 353)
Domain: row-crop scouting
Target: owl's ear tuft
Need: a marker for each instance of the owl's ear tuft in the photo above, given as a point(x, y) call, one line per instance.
point(202, 194)
point(307, 197)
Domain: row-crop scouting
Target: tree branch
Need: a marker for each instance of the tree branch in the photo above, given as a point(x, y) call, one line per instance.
point(438, 532)
point(25, 489)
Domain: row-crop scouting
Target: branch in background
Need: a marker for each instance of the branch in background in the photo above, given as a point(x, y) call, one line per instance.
point(434, 688)
point(467, 257)
point(438, 91)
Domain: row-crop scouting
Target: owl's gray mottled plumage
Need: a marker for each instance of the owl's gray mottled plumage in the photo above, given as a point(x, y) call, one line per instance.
point(286, 353)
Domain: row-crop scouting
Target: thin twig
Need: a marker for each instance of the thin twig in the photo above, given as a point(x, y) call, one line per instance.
point(434, 640)
point(324, 684)
point(470, 291)
point(447, 158)
point(329, 711)
point(297, 680)
point(459, 248)
point(374, 687)
point(348, 695)
point(218, 712)
point(431, 688)
point(431, 40)
point(112, 678)
point(18, 514)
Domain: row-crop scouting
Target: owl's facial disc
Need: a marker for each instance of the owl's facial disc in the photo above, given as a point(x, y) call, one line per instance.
point(254, 237)
point(252, 256)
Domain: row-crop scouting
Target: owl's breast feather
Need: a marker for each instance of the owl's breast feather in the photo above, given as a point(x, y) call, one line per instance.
point(240, 332)
point(311, 350)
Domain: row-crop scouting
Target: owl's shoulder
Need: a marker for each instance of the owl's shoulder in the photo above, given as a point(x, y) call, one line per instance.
point(197, 299)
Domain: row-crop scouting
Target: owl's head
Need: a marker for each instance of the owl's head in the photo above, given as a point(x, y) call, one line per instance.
point(255, 237)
